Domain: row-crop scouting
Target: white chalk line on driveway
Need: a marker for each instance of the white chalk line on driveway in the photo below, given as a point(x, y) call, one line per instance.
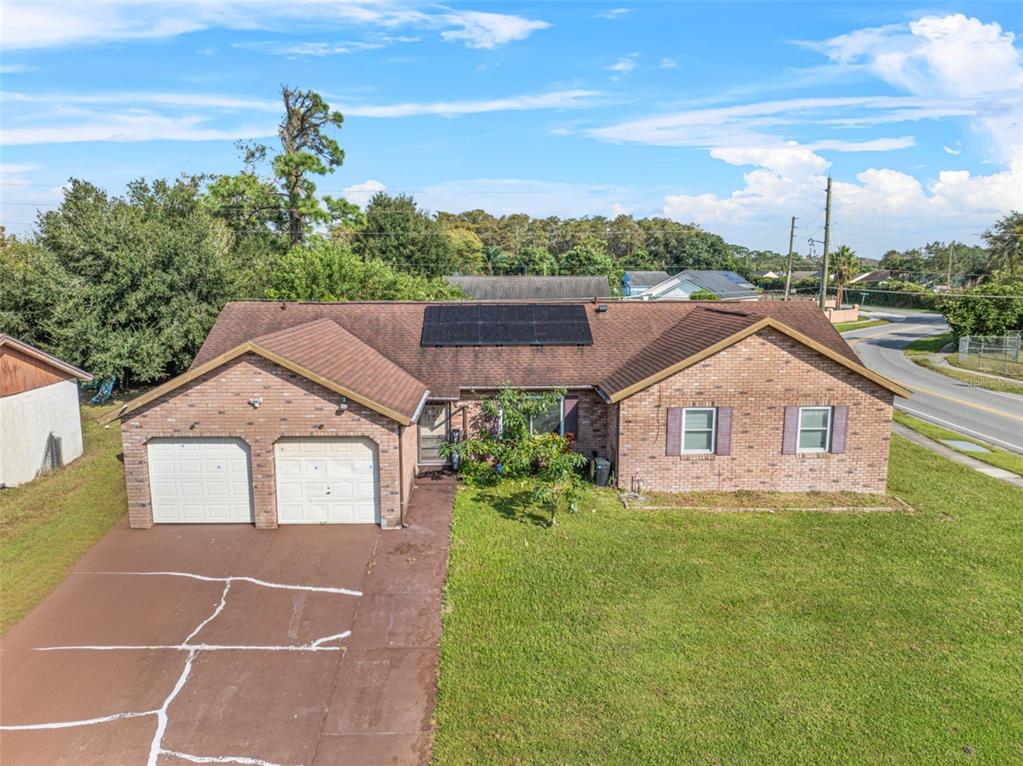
point(156, 747)
point(253, 580)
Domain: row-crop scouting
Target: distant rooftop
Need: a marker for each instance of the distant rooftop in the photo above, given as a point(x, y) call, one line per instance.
point(532, 288)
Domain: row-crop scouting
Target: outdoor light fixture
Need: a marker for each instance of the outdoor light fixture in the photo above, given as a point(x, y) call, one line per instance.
point(342, 404)
point(255, 403)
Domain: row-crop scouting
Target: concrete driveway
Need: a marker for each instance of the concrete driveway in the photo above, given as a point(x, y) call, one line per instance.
point(223, 644)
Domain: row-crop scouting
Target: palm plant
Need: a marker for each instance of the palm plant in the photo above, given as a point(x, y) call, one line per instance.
point(847, 266)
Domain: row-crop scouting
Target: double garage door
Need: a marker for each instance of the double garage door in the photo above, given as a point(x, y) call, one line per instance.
point(319, 481)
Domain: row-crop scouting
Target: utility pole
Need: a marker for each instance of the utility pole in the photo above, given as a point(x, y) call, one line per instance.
point(788, 266)
point(951, 252)
point(827, 244)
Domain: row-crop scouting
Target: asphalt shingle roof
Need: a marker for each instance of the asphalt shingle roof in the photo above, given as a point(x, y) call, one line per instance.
point(621, 334)
point(328, 350)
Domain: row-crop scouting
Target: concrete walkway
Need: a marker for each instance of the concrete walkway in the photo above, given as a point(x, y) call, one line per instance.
point(386, 690)
point(957, 457)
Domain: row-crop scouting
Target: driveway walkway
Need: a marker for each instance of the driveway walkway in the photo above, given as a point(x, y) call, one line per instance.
point(224, 644)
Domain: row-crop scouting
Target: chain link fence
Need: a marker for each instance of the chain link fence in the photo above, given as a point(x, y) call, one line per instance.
point(999, 354)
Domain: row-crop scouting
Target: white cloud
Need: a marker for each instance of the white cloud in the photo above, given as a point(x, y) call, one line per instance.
point(949, 67)
point(883, 208)
point(51, 23)
point(952, 57)
point(138, 125)
point(667, 63)
point(361, 194)
point(489, 30)
point(624, 65)
point(751, 123)
point(565, 99)
point(315, 49)
point(15, 68)
point(151, 116)
point(613, 14)
point(935, 55)
point(954, 152)
point(152, 98)
point(872, 145)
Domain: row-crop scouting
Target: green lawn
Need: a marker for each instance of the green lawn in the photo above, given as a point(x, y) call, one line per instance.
point(859, 324)
point(932, 344)
point(667, 636)
point(49, 523)
point(996, 456)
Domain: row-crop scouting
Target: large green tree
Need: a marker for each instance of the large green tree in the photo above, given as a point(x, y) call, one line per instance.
point(1004, 241)
point(398, 233)
point(275, 191)
point(325, 270)
point(144, 277)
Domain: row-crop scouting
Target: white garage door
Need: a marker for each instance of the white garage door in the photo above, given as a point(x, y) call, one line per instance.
point(327, 481)
point(200, 480)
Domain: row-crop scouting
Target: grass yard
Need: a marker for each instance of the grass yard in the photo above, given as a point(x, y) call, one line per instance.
point(860, 324)
point(49, 523)
point(996, 456)
point(668, 636)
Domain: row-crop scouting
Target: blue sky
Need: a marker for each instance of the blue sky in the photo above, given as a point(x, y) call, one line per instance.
point(730, 115)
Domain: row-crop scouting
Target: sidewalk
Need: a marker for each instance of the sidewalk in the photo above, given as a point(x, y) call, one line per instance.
point(957, 457)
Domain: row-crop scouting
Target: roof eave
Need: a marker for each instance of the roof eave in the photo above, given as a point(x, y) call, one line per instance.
point(251, 347)
point(756, 327)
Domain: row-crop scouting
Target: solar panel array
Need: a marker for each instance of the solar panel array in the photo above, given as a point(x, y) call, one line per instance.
point(509, 324)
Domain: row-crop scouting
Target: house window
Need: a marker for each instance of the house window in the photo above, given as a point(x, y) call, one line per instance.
point(814, 429)
point(552, 421)
point(698, 430)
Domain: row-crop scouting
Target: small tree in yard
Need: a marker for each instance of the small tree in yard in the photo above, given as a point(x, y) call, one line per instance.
point(507, 447)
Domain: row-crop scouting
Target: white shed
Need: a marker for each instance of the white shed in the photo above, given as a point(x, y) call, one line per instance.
point(40, 424)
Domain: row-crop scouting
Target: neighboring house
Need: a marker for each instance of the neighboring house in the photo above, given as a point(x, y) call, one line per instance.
point(325, 412)
point(532, 288)
point(726, 285)
point(768, 274)
point(871, 277)
point(802, 276)
point(636, 282)
point(40, 424)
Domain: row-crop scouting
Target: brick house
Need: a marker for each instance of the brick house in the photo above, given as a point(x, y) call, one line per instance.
point(325, 412)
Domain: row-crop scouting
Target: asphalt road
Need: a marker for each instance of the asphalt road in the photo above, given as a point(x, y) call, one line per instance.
point(989, 415)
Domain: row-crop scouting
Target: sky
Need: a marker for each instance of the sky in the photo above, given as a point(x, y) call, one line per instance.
point(729, 115)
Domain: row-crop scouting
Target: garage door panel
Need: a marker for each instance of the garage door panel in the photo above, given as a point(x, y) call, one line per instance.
point(327, 481)
point(195, 480)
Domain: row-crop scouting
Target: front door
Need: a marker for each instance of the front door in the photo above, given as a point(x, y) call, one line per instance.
point(433, 431)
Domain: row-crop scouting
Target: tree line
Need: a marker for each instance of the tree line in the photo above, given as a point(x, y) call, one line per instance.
point(128, 285)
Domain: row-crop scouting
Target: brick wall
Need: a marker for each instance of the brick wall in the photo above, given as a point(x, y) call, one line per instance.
point(216, 404)
point(758, 377)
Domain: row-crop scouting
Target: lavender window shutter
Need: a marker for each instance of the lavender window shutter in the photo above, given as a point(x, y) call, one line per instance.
point(674, 445)
point(839, 427)
point(791, 436)
point(572, 415)
point(724, 436)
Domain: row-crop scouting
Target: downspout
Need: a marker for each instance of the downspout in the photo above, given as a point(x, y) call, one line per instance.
point(401, 477)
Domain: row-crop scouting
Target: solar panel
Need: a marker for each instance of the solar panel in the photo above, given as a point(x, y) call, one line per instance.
point(509, 324)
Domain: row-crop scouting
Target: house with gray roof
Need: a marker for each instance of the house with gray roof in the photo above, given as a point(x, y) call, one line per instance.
point(532, 288)
point(726, 285)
